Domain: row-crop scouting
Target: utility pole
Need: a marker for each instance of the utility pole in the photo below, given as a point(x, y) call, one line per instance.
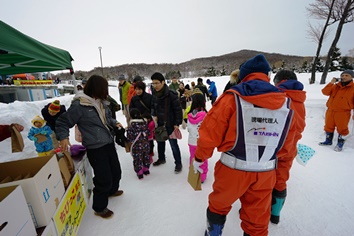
point(100, 48)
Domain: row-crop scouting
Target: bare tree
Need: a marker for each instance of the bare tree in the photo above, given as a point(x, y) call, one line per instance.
point(344, 11)
point(321, 9)
point(351, 52)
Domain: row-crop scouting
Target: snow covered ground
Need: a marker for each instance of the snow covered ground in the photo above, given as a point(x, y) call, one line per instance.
point(320, 195)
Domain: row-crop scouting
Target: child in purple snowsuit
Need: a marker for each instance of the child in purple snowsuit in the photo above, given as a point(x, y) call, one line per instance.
point(137, 134)
point(151, 125)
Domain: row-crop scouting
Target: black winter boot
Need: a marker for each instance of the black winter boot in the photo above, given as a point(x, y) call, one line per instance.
point(328, 141)
point(340, 143)
point(278, 199)
point(215, 224)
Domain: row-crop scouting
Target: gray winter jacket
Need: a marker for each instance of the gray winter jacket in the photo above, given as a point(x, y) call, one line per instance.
point(93, 118)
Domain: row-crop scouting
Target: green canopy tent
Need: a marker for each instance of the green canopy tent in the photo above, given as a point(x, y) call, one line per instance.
point(20, 53)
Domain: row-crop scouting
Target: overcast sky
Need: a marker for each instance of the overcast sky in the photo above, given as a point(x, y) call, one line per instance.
point(165, 31)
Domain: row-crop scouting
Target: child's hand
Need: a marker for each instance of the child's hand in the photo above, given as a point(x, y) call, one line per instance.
point(43, 132)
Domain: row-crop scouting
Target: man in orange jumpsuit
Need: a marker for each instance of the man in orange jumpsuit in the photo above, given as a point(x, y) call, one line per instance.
point(286, 81)
point(251, 125)
point(339, 105)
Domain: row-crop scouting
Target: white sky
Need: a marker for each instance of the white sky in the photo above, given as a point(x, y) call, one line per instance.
point(165, 31)
point(319, 201)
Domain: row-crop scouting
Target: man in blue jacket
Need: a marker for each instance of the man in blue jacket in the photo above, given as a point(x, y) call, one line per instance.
point(213, 93)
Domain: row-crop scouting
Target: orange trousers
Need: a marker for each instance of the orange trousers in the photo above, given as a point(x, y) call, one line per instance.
point(283, 172)
point(254, 189)
point(339, 119)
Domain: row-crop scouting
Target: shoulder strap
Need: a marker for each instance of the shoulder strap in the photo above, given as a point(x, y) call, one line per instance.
point(142, 103)
point(131, 147)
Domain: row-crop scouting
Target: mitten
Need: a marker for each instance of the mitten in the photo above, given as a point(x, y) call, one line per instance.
point(196, 165)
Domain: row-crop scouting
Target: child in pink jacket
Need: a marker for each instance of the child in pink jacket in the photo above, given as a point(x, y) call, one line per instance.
point(196, 115)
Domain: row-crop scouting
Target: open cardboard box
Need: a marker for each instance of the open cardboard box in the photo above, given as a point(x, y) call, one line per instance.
point(41, 183)
point(15, 218)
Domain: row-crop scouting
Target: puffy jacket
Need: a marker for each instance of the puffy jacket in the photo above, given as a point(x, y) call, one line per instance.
point(93, 118)
point(174, 110)
point(195, 119)
point(131, 93)
point(49, 118)
point(145, 98)
point(45, 130)
point(125, 90)
point(294, 90)
point(341, 98)
point(218, 130)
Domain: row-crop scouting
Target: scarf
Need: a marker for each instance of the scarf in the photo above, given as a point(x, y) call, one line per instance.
point(96, 103)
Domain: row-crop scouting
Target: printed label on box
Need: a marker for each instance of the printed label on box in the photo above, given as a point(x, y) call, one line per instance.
point(69, 214)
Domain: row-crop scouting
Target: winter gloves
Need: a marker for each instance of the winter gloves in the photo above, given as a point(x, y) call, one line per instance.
point(197, 168)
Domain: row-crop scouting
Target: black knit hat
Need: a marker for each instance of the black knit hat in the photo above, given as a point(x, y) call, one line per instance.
point(256, 64)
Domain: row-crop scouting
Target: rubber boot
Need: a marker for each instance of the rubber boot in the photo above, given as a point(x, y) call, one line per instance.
point(339, 146)
point(215, 224)
point(328, 141)
point(278, 199)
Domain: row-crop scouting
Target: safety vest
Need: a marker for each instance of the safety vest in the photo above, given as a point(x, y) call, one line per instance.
point(260, 135)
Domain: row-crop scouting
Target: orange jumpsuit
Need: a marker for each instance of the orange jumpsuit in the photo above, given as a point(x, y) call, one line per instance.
point(298, 98)
point(339, 105)
point(254, 189)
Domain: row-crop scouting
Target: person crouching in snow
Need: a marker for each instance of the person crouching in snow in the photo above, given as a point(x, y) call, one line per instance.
point(196, 115)
point(137, 134)
point(40, 134)
point(339, 105)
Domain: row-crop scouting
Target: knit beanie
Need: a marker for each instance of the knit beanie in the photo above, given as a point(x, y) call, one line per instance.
point(38, 119)
point(349, 72)
point(54, 106)
point(121, 77)
point(256, 64)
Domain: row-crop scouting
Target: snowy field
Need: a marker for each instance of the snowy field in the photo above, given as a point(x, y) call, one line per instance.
point(320, 195)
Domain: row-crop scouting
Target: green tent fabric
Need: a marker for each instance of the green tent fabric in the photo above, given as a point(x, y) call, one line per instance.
point(20, 53)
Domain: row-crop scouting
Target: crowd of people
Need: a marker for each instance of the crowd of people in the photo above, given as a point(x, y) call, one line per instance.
point(254, 124)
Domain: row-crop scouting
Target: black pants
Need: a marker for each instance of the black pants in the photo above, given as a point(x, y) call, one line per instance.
point(107, 171)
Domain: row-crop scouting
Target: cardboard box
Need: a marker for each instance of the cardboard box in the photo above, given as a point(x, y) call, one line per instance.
point(41, 183)
point(84, 169)
point(49, 230)
point(71, 209)
point(15, 218)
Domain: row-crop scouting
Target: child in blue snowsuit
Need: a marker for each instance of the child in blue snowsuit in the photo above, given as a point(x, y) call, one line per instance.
point(40, 128)
point(138, 133)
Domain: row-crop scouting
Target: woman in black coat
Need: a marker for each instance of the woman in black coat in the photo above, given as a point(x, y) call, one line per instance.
point(142, 100)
